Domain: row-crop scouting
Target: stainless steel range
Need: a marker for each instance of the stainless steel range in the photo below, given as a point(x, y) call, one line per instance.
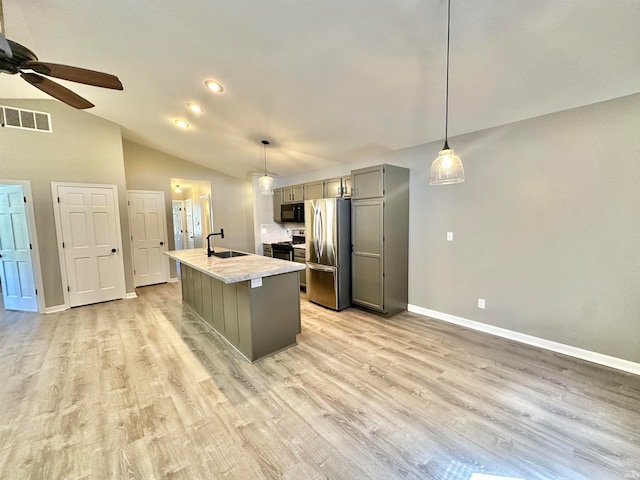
point(284, 250)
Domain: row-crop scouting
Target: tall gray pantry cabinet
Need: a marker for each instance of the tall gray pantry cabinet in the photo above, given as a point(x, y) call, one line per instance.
point(380, 238)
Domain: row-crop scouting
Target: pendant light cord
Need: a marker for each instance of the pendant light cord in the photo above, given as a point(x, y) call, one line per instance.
point(265, 143)
point(446, 108)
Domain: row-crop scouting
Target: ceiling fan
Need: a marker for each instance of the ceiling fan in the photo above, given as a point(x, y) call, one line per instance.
point(17, 59)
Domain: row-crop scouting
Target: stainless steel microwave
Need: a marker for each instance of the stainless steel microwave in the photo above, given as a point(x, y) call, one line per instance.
point(292, 212)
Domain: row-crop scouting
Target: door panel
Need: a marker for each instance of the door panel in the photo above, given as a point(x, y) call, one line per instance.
point(16, 265)
point(92, 256)
point(367, 259)
point(322, 235)
point(321, 285)
point(148, 237)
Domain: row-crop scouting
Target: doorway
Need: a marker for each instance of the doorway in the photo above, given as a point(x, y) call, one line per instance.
point(196, 218)
point(20, 274)
point(177, 208)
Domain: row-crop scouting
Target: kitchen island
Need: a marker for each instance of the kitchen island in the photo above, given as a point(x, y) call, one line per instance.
point(252, 301)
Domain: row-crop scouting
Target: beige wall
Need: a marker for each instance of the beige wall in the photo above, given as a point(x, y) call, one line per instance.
point(82, 149)
point(545, 227)
point(231, 198)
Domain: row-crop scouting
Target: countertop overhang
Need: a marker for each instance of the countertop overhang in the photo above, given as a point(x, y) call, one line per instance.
point(235, 269)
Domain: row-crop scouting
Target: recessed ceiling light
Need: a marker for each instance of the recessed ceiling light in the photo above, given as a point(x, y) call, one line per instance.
point(182, 123)
point(215, 86)
point(195, 108)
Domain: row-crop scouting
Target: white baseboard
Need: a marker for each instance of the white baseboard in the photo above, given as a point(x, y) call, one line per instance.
point(130, 295)
point(174, 280)
point(54, 309)
point(599, 358)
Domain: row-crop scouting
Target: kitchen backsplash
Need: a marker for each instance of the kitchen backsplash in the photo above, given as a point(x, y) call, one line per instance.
point(274, 232)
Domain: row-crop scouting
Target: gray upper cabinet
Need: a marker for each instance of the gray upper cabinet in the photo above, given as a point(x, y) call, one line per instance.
point(313, 190)
point(277, 202)
point(368, 182)
point(337, 187)
point(380, 238)
point(293, 194)
point(333, 188)
point(346, 187)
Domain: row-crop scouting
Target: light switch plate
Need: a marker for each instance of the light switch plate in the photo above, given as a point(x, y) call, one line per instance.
point(449, 236)
point(481, 303)
point(256, 282)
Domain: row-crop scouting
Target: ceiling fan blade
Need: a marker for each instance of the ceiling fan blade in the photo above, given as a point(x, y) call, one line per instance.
point(5, 48)
point(76, 74)
point(57, 91)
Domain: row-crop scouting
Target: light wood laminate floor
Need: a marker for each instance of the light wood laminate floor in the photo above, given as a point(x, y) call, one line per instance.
point(140, 389)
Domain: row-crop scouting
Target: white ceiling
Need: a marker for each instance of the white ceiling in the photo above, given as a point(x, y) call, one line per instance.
point(328, 81)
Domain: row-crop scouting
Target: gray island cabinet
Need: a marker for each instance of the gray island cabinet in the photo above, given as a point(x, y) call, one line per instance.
point(252, 301)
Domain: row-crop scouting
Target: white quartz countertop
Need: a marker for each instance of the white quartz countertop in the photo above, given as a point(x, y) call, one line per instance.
point(234, 269)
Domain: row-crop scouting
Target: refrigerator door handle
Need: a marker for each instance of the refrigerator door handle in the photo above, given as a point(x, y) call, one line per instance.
point(318, 231)
point(320, 268)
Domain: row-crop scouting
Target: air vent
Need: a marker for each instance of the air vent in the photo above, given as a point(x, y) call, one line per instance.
point(25, 119)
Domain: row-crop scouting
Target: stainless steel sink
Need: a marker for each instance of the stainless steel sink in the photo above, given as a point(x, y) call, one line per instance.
point(229, 254)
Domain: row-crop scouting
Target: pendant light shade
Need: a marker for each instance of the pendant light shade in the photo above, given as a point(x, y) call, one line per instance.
point(447, 168)
point(265, 182)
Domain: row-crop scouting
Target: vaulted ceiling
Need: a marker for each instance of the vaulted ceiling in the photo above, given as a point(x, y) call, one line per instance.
point(327, 81)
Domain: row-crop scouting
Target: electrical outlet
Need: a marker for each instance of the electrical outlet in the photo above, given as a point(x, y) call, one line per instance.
point(481, 303)
point(449, 236)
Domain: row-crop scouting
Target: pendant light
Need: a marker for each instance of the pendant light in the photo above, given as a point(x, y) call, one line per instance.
point(447, 168)
point(266, 182)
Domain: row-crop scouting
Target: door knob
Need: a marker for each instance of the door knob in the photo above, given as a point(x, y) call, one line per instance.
point(161, 243)
point(113, 250)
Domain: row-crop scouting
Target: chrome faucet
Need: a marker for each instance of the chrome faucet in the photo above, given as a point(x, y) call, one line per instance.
point(209, 246)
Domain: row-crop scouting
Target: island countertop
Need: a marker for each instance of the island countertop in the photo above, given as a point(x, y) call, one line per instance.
point(234, 269)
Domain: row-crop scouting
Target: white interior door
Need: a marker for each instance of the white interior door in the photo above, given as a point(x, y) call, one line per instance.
point(148, 224)
point(16, 264)
point(178, 230)
point(88, 225)
point(188, 216)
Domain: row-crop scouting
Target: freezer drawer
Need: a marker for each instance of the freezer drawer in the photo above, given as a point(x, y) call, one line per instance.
point(322, 285)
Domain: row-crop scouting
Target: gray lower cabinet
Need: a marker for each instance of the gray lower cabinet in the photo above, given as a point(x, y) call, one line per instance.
point(299, 256)
point(255, 321)
point(380, 238)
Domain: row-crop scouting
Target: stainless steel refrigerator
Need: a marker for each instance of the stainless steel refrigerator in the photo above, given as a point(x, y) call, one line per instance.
point(328, 246)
